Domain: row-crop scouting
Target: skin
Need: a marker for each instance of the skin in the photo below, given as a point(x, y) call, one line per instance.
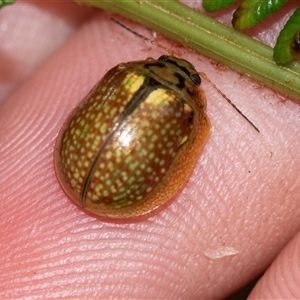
point(237, 216)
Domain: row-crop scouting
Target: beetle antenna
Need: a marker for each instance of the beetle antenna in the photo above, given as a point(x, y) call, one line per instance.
point(142, 37)
point(203, 75)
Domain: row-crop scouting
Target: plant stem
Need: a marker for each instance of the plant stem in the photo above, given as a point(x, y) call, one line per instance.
point(210, 38)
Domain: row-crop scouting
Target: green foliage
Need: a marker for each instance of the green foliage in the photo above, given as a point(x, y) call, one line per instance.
point(211, 6)
point(251, 12)
point(288, 41)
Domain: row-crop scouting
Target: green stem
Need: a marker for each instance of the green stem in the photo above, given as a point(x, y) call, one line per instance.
point(211, 38)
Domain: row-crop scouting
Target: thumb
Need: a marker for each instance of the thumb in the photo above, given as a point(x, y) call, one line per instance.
point(282, 279)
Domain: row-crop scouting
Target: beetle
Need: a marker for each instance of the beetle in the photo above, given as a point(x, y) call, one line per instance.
point(132, 142)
